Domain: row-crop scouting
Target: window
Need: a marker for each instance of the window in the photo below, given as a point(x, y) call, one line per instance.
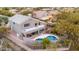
point(35, 24)
point(25, 25)
point(29, 35)
point(35, 33)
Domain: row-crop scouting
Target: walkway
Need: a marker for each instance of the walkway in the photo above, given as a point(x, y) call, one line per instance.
point(18, 42)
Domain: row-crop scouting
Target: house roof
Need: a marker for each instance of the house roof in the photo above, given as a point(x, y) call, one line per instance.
point(40, 13)
point(19, 19)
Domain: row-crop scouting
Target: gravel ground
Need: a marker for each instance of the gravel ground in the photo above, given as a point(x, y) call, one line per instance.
point(7, 45)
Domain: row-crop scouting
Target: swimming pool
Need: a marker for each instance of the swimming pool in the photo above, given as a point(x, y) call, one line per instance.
point(52, 38)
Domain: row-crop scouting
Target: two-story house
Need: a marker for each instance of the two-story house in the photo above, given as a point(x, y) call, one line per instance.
point(26, 27)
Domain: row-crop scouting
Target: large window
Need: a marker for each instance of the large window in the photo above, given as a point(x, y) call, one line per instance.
point(25, 25)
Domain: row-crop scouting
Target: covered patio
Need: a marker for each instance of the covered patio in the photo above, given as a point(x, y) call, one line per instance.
point(33, 32)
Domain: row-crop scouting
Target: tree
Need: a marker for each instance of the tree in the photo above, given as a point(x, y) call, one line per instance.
point(45, 43)
point(6, 13)
point(72, 30)
point(70, 17)
point(73, 18)
point(3, 19)
point(5, 8)
point(63, 15)
point(3, 22)
point(68, 23)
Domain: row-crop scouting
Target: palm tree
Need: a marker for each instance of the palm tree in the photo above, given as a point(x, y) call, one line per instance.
point(45, 43)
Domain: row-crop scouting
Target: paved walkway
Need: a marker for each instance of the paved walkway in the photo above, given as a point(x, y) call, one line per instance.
point(18, 42)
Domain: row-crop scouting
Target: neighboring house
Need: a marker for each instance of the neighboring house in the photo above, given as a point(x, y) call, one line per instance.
point(39, 14)
point(45, 15)
point(26, 27)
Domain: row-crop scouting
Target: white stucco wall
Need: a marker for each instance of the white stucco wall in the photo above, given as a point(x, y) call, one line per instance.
point(15, 27)
point(31, 24)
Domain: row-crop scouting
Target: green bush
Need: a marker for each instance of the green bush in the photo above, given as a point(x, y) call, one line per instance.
point(64, 42)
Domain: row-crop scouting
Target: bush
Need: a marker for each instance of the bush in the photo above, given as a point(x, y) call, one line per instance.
point(6, 13)
point(64, 42)
point(26, 12)
point(3, 19)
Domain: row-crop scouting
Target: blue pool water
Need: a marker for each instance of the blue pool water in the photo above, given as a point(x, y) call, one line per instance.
point(39, 39)
point(51, 38)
